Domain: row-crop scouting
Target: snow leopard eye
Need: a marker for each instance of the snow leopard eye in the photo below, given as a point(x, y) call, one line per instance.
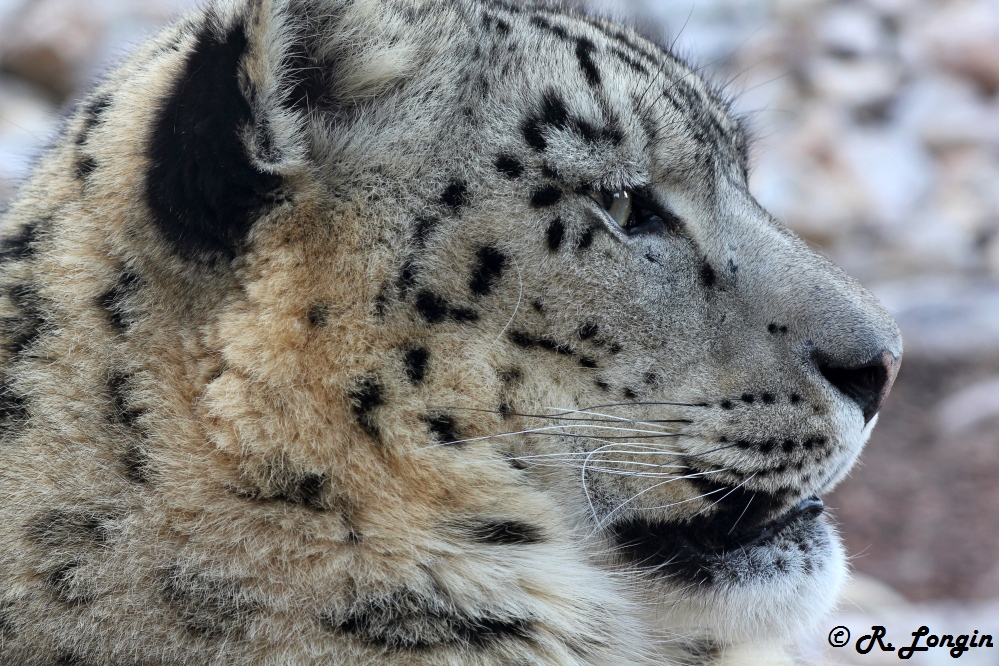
point(634, 212)
point(618, 205)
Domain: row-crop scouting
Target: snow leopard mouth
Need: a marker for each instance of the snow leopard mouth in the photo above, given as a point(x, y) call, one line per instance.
point(699, 550)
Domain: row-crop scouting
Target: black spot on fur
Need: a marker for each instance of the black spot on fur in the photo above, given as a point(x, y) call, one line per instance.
point(495, 23)
point(416, 364)
point(510, 376)
point(629, 394)
point(19, 246)
point(504, 533)
point(463, 315)
point(555, 234)
point(24, 330)
point(586, 240)
point(546, 196)
point(708, 277)
point(545, 24)
point(114, 301)
point(747, 398)
point(795, 398)
point(85, 166)
point(455, 196)
point(424, 227)
point(629, 61)
point(284, 483)
point(135, 462)
point(602, 385)
point(727, 404)
point(435, 309)
point(202, 188)
point(813, 442)
point(443, 427)
point(587, 362)
point(588, 330)
point(74, 530)
point(548, 171)
point(382, 301)
point(66, 540)
point(584, 53)
point(305, 489)
point(67, 586)
point(407, 276)
point(527, 341)
point(209, 606)
point(419, 622)
point(514, 462)
point(551, 112)
point(509, 166)
point(366, 398)
point(92, 115)
point(318, 315)
point(119, 384)
point(13, 406)
point(768, 398)
point(488, 269)
point(432, 307)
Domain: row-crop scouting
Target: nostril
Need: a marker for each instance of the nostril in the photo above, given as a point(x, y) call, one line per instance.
point(866, 384)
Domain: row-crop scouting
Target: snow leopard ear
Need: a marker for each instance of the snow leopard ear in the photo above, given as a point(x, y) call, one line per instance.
point(219, 145)
point(258, 84)
point(257, 78)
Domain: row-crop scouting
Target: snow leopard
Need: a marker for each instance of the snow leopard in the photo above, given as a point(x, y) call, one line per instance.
point(440, 332)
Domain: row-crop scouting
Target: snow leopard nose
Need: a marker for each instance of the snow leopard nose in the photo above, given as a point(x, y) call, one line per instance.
point(867, 384)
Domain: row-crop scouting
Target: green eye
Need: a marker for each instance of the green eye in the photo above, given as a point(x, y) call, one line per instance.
point(635, 213)
point(616, 204)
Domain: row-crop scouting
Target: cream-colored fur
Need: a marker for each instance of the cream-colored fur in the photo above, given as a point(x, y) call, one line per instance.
point(319, 349)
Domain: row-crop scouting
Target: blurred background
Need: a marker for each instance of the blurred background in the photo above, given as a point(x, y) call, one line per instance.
point(877, 125)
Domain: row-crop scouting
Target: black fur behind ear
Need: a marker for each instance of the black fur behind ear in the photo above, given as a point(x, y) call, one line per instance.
point(203, 189)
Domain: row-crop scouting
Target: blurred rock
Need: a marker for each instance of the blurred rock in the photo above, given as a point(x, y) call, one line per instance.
point(851, 31)
point(52, 43)
point(945, 318)
point(27, 120)
point(870, 596)
point(973, 407)
point(964, 38)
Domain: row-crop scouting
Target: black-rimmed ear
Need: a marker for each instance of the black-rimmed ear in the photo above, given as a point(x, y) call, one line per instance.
point(221, 139)
point(261, 79)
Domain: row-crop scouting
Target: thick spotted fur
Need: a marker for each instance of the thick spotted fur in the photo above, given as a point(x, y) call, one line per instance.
point(318, 350)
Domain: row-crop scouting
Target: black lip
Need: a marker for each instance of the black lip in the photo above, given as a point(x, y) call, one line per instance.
point(808, 508)
point(686, 549)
